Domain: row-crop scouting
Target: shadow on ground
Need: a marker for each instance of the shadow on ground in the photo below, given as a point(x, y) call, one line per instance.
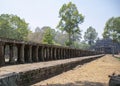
point(78, 83)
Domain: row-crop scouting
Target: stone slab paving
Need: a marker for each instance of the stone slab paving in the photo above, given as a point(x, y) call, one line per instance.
point(31, 66)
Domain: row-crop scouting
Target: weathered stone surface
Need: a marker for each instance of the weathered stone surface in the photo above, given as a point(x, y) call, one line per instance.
point(2, 59)
point(28, 77)
point(9, 79)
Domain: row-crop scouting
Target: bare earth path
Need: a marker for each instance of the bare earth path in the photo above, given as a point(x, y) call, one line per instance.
point(94, 73)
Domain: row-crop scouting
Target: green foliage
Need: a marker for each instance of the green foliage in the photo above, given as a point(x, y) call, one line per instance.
point(84, 46)
point(112, 29)
point(11, 26)
point(90, 35)
point(81, 45)
point(36, 36)
point(70, 20)
point(60, 38)
point(48, 37)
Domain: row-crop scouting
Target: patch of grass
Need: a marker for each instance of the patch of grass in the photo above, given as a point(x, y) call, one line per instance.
point(118, 58)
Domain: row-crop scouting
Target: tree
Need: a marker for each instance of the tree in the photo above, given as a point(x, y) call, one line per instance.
point(83, 45)
point(12, 26)
point(112, 29)
point(36, 36)
point(70, 20)
point(48, 37)
point(90, 35)
point(60, 38)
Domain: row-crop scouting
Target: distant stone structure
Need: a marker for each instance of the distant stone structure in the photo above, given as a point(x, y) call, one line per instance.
point(106, 46)
point(27, 52)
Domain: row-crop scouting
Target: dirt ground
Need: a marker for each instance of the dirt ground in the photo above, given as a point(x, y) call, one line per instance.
point(94, 73)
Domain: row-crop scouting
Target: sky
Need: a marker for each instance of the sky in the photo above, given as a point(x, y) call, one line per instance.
point(39, 13)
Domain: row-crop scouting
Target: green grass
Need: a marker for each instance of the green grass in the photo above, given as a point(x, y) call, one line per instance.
point(118, 58)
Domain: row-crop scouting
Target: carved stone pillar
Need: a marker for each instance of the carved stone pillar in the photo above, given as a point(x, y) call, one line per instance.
point(12, 54)
point(2, 59)
point(61, 56)
point(47, 53)
point(51, 53)
point(73, 53)
point(35, 53)
point(42, 53)
point(64, 53)
point(69, 54)
point(54, 53)
point(29, 50)
point(21, 53)
point(58, 53)
point(53, 56)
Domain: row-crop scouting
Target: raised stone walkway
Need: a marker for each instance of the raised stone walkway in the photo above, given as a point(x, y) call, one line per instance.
point(34, 72)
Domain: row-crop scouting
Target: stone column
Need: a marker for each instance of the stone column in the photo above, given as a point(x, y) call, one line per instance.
point(60, 57)
point(64, 53)
point(73, 53)
point(42, 53)
point(54, 53)
point(21, 51)
point(61, 53)
point(12, 54)
point(30, 53)
point(58, 53)
point(68, 53)
point(36, 53)
point(47, 53)
point(2, 59)
point(51, 53)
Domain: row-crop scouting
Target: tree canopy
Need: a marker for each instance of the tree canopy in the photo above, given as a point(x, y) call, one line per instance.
point(112, 29)
point(12, 26)
point(90, 35)
point(69, 21)
point(48, 37)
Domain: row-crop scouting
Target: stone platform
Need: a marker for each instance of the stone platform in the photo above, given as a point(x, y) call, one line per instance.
point(27, 74)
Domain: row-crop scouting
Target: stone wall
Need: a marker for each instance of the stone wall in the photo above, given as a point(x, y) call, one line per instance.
point(29, 77)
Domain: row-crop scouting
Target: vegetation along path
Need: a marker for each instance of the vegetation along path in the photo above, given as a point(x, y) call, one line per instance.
point(94, 73)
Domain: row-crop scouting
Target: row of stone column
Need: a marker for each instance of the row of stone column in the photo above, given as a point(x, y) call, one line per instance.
point(34, 53)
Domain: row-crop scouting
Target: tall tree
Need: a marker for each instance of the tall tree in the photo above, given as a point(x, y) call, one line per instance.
point(48, 37)
point(12, 26)
point(90, 35)
point(70, 20)
point(112, 29)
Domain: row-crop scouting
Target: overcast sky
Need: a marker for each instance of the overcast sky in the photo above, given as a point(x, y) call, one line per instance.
point(45, 12)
